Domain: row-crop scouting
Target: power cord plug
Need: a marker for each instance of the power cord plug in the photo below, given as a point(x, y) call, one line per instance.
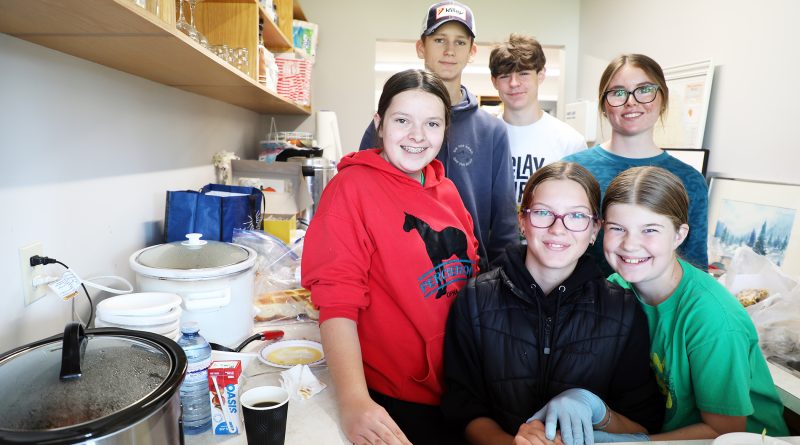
point(38, 260)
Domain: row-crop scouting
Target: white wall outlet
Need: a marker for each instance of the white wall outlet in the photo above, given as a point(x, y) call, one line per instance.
point(30, 292)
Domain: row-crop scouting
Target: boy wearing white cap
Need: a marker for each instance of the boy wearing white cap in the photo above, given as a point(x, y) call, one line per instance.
point(476, 152)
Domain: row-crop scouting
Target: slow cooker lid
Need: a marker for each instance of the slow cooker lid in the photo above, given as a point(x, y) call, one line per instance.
point(193, 254)
point(117, 372)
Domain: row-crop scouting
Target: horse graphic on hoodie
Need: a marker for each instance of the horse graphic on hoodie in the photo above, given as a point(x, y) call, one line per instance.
point(441, 246)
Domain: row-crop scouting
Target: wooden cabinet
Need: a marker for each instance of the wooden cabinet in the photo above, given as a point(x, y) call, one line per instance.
point(121, 35)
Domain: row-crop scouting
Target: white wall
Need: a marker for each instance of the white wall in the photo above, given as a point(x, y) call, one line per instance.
point(88, 154)
point(343, 73)
point(754, 100)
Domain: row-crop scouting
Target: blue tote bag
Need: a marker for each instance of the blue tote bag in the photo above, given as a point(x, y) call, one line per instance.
point(215, 211)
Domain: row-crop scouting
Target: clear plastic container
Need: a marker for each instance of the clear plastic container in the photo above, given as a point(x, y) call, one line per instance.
point(194, 390)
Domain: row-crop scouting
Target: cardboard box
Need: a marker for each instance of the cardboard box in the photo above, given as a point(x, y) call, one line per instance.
point(285, 192)
point(225, 407)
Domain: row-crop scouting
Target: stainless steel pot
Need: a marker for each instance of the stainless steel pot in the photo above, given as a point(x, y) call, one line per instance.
point(99, 386)
point(318, 173)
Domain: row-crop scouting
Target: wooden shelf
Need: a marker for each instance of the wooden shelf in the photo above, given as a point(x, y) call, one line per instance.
point(279, 39)
point(126, 37)
point(273, 37)
point(298, 12)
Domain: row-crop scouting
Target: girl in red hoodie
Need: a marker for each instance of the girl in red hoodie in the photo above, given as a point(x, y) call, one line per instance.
point(386, 253)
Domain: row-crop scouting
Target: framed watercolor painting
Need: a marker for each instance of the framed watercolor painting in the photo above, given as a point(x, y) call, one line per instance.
point(762, 215)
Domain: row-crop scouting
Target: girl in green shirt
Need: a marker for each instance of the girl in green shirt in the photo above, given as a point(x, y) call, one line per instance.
point(704, 347)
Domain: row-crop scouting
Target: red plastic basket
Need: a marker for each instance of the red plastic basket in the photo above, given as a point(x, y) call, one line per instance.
point(294, 79)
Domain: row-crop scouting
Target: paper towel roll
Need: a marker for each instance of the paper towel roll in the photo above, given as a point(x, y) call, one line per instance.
point(328, 136)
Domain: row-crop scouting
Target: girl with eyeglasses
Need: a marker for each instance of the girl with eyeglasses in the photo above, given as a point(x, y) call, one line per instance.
point(633, 96)
point(704, 347)
point(544, 340)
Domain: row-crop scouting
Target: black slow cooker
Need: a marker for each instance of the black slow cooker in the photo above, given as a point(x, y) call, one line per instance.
point(99, 386)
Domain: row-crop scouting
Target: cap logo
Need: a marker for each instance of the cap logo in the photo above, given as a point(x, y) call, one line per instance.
point(451, 11)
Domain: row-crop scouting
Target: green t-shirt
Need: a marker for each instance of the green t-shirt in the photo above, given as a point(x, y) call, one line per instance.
point(704, 351)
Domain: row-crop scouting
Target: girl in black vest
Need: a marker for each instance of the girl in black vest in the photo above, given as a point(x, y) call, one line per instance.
point(544, 341)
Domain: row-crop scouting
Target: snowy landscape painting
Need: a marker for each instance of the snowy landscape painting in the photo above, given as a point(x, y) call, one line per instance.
point(765, 229)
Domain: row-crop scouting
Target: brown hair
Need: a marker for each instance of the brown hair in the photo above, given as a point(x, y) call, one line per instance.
point(564, 170)
point(650, 67)
point(519, 53)
point(407, 80)
point(654, 188)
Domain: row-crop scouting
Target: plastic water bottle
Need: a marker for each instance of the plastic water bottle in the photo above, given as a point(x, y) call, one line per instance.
point(194, 389)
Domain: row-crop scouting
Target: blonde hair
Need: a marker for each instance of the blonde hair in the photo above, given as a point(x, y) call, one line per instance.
point(654, 188)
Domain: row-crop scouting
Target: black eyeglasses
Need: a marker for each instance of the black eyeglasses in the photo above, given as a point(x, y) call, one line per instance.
point(619, 96)
point(573, 221)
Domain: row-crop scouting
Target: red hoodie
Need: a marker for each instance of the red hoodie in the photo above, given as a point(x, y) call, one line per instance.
point(391, 254)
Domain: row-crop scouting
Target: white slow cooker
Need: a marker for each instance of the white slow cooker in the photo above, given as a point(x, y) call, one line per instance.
point(214, 279)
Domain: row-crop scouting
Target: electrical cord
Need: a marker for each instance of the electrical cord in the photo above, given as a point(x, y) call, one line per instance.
point(38, 260)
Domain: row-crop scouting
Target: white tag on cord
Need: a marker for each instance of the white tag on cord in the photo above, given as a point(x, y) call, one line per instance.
point(67, 286)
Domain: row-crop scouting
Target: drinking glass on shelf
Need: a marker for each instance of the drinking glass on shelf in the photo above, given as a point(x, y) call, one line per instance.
point(184, 26)
point(216, 49)
point(198, 36)
point(242, 59)
point(154, 7)
point(227, 54)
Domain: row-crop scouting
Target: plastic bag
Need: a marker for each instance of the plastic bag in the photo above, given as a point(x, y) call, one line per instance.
point(749, 270)
point(777, 320)
point(277, 293)
point(777, 316)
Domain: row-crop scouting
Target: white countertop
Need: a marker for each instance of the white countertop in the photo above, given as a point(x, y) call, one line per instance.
point(316, 420)
point(310, 422)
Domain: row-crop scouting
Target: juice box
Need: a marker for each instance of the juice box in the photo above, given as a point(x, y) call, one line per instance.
point(225, 404)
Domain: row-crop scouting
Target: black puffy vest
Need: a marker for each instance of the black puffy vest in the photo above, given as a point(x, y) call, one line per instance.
point(526, 357)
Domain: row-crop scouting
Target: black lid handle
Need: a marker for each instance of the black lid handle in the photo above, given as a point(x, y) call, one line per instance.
point(72, 351)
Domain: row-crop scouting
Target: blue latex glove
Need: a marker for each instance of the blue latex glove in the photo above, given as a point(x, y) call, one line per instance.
point(575, 410)
point(604, 437)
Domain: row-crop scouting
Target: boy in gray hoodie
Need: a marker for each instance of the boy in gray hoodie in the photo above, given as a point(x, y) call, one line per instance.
point(475, 154)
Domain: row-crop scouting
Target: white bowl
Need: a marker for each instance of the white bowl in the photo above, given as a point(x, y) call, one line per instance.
point(141, 320)
point(164, 329)
point(173, 335)
point(747, 439)
point(139, 304)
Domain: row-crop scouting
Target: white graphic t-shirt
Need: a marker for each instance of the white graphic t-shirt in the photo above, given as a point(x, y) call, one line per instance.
point(538, 144)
